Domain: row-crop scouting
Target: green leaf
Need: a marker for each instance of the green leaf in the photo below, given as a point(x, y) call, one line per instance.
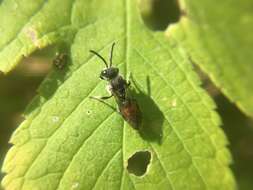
point(28, 25)
point(218, 36)
point(69, 141)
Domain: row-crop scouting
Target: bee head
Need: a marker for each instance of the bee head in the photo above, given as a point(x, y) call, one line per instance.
point(109, 73)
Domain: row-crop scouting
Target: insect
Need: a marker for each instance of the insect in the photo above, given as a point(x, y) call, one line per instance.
point(60, 60)
point(118, 88)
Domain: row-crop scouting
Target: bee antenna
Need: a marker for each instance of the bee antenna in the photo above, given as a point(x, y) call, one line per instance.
point(112, 54)
point(97, 54)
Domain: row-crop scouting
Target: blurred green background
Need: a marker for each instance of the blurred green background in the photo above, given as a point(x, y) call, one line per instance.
point(16, 91)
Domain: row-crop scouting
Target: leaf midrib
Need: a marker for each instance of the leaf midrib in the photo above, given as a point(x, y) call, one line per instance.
point(127, 24)
point(85, 98)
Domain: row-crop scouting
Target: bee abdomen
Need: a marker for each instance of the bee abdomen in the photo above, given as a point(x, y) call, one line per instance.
point(131, 113)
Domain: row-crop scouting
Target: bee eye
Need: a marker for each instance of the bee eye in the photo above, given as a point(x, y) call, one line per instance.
point(104, 72)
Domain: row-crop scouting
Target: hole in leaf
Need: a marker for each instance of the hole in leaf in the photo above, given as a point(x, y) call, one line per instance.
point(138, 163)
point(159, 14)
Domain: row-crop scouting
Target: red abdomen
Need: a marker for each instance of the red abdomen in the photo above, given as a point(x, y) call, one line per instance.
point(131, 113)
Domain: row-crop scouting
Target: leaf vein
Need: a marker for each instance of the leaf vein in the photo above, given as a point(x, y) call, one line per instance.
point(82, 145)
point(72, 73)
point(104, 169)
point(162, 165)
point(188, 152)
point(36, 157)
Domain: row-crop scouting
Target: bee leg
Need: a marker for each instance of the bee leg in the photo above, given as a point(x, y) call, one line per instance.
point(137, 86)
point(106, 97)
point(135, 83)
point(148, 85)
point(101, 99)
point(109, 90)
point(128, 79)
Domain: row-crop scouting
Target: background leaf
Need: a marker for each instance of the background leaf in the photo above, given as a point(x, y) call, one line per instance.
point(69, 141)
point(218, 36)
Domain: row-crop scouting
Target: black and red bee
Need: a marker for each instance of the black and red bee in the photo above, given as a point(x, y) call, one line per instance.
point(118, 88)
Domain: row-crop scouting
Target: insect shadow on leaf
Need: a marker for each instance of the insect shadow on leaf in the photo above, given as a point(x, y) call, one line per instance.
point(118, 88)
point(137, 108)
point(152, 116)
